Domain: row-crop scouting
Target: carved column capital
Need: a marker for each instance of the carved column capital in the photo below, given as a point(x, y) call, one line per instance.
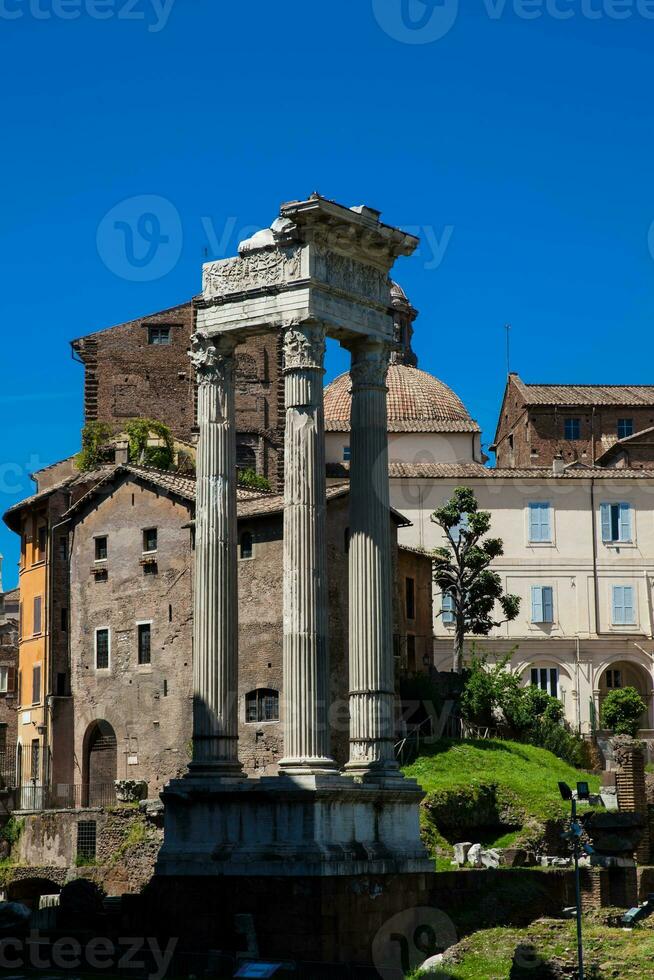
point(211, 357)
point(304, 346)
point(370, 361)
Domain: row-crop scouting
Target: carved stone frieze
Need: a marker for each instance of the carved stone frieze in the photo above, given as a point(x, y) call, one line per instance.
point(252, 271)
point(352, 276)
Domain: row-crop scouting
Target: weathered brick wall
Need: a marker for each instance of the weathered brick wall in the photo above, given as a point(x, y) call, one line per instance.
point(631, 785)
point(127, 377)
point(415, 655)
point(8, 716)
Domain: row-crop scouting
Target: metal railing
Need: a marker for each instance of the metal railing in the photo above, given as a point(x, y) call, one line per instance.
point(65, 796)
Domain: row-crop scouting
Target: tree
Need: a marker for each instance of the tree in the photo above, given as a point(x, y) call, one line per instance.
point(622, 710)
point(462, 572)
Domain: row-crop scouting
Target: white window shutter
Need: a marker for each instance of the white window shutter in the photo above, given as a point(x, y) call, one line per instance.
point(536, 604)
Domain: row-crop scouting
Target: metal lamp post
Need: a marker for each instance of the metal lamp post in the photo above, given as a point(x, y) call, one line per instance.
point(583, 793)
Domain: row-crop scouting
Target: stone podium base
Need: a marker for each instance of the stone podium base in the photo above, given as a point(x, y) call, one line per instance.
point(297, 826)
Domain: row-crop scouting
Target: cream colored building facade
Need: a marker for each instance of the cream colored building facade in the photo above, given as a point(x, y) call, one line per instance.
point(578, 540)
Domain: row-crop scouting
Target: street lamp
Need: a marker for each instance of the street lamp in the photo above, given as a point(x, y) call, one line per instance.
point(574, 836)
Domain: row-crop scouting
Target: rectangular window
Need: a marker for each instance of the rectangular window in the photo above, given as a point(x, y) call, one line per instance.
point(449, 613)
point(101, 549)
point(150, 539)
point(159, 336)
point(36, 684)
point(42, 539)
point(616, 523)
point(547, 679)
point(542, 604)
point(38, 625)
point(63, 549)
point(572, 429)
point(614, 680)
point(411, 652)
point(145, 636)
point(87, 833)
point(20, 620)
point(624, 612)
point(625, 428)
point(540, 524)
point(347, 454)
point(4, 680)
point(102, 649)
point(458, 528)
point(410, 594)
point(36, 759)
point(64, 619)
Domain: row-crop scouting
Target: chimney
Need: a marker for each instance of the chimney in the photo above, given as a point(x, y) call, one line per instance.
point(121, 456)
point(558, 465)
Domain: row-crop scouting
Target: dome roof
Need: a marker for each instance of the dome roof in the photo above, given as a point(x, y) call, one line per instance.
point(417, 402)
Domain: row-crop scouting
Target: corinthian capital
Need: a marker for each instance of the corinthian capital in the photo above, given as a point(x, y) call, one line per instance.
point(211, 357)
point(370, 360)
point(304, 347)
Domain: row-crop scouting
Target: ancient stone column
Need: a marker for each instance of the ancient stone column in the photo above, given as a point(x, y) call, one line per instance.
point(215, 622)
point(372, 691)
point(306, 649)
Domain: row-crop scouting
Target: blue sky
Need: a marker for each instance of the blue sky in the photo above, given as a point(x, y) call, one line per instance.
point(515, 135)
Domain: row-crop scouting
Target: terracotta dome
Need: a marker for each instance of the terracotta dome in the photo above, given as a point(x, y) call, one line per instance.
point(417, 402)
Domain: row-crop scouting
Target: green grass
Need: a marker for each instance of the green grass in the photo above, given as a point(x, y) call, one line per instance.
point(530, 773)
point(609, 952)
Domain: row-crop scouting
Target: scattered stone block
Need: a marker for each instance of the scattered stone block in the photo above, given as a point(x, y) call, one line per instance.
point(461, 852)
point(474, 856)
point(491, 858)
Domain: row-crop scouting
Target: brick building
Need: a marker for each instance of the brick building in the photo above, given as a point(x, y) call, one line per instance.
point(141, 369)
point(598, 425)
point(8, 677)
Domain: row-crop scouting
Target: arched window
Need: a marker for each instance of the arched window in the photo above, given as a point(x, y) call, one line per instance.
point(246, 457)
point(246, 545)
point(262, 705)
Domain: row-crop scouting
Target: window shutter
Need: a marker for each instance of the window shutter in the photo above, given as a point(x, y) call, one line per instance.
point(629, 617)
point(534, 523)
point(448, 608)
point(545, 533)
point(618, 605)
point(606, 523)
point(11, 680)
point(548, 604)
point(625, 522)
point(536, 604)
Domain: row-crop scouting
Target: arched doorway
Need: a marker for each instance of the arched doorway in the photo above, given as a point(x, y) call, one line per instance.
point(100, 764)
point(626, 673)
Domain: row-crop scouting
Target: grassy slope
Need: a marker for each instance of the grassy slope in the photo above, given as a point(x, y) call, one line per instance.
point(531, 773)
point(613, 952)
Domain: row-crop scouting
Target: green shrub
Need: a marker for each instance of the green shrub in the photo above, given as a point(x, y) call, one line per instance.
point(13, 829)
point(250, 478)
point(622, 711)
point(95, 436)
point(139, 431)
point(487, 689)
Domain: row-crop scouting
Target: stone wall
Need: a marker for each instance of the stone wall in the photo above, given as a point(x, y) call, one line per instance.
point(127, 845)
point(8, 700)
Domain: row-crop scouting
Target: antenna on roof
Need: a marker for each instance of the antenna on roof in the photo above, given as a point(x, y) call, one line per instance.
point(507, 327)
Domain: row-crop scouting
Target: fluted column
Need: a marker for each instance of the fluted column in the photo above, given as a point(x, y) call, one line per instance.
point(306, 649)
point(215, 622)
point(372, 691)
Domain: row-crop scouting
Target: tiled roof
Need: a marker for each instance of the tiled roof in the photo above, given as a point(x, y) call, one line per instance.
point(573, 395)
point(468, 471)
point(417, 402)
point(76, 479)
point(175, 483)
